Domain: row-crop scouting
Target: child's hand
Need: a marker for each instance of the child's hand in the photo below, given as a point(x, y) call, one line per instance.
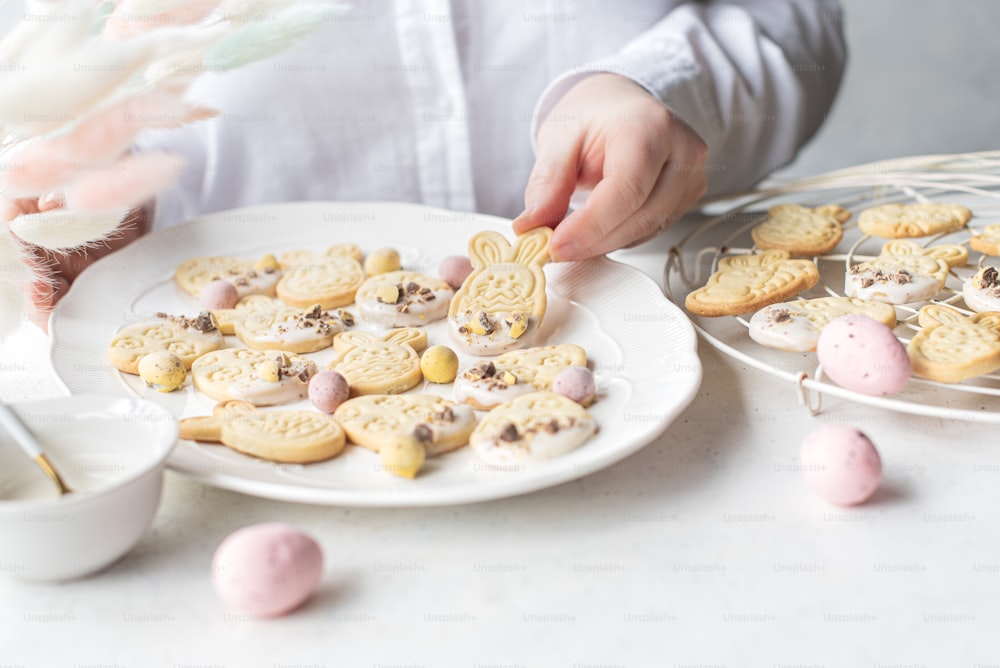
point(56, 271)
point(644, 166)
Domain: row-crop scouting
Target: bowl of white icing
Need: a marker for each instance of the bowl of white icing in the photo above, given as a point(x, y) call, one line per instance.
point(112, 452)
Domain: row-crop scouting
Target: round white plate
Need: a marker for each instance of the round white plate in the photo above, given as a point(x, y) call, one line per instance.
point(642, 348)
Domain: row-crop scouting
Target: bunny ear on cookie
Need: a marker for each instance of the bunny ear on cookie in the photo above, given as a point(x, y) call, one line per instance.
point(953, 254)
point(988, 319)
point(533, 247)
point(755, 260)
point(488, 248)
point(349, 251)
point(208, 428)
point(347, 340)
point(934, 315)
point(411, 336)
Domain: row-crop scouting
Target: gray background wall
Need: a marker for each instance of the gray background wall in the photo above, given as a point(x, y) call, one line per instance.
point(922, 78)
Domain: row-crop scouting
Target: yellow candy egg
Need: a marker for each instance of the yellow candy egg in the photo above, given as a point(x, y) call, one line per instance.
point(439, 364)
point(382, 261)
point(163, 371)
point(404, 455)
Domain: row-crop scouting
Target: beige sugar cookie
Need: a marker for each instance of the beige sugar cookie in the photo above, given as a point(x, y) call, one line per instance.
point(531, 428)
point(952, 347)
point(745, 283)
point(373, 420)
point(287, 328)
point(485, 385)
point(386, 364)
point(329, 278)
point(904, 272)
point(900, 221)
point(188, 338)
point(501, 304)
point(261, 377)
point(294, 437)
point(250, 277)
point(403, 299)
point(987, 241)
point(801, 230)
point(795, 325)
point(225, 318)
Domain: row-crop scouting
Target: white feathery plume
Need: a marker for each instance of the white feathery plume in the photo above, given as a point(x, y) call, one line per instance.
point(12, 274)
point(64, 229)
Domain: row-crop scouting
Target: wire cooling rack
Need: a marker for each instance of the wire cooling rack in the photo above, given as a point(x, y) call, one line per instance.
point(970, 179)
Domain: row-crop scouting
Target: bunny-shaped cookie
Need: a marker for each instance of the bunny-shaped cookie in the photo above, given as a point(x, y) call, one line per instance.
point(298, 437)
point(904, 272)
point(952, 347)
point(501, 304)
point(745, 283)
point(371, 421)
point(898, 221)
point(329, 278)
point(386, 364)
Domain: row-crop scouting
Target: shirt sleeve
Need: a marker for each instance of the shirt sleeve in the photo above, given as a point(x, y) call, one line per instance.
point(754, 79)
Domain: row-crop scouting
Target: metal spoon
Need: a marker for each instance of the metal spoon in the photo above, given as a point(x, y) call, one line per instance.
point(12, 423)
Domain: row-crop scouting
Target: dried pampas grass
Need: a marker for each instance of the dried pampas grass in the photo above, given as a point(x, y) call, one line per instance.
point(63, 230)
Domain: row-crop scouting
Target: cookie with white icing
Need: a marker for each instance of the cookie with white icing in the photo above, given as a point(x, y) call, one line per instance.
point(295, 437)
point(501, 304)
point(981, 291)
point(260, 377)
point(403, 299)
point(904, 272)
point(795, 325)
point(287, 328)
point(372, 421)
point(487, 384)
point(188, 338)
point(531, 428)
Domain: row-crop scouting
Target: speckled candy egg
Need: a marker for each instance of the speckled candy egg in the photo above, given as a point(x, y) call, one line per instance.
point(327, 390)
point(840, 464)
point(218, 294)
point(163, 371)
point(454, 269)
point(863, 355)
point(576, 383)
point(267, 570)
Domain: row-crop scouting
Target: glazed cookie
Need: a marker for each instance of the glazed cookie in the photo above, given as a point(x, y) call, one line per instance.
point(981, 291)
point(900, 221)
point(795, 325)
point(801, 230)
point(987, 241)
point(952, 347)
point(330, 278)
point(374, 420)
point(488, 384)
point(745, 283)
point(287, 328)
point(904, 272)
point(501, 304)
point(249, 277)
point(386, 364)
point(225, 318)
point(188, 338)
point(295, 437)
point(531, 428)
point(403, 299)
point(263, 378)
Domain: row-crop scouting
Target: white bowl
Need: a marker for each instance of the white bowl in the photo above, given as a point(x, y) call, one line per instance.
point(111, 451)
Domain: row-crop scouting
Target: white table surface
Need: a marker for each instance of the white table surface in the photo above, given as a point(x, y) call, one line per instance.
point(705, 549)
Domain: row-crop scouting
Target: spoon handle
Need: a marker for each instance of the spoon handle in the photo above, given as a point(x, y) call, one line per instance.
point(26, 440)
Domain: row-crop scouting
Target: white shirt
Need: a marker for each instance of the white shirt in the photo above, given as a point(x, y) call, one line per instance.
point(437, 101)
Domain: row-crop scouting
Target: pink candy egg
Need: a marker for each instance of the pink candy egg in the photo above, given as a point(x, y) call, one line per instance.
point(454, 269)
point(576, 383)
point(863, 355)
point(840, 464)
point(267, 570)
point(327, 390)
point(218, 294)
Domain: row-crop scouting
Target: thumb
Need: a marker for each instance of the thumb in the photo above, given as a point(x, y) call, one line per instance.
point(551, 184)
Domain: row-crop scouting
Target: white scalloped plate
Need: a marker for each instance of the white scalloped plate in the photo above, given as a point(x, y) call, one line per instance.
point(642, 348)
